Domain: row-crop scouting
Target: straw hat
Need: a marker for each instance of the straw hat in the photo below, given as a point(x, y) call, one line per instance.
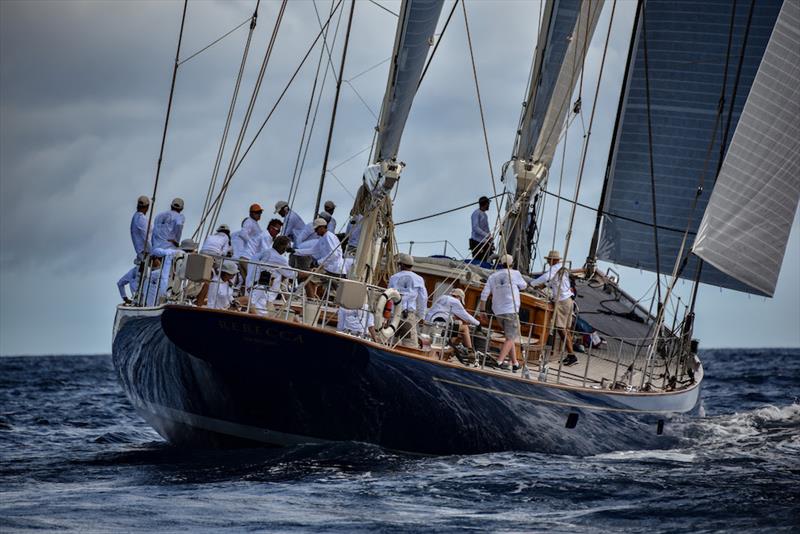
point(553, 255)
point(319, 221)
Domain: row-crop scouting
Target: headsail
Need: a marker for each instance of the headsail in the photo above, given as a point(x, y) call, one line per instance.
point(687, 45)
point(566, 29)
point(415, 30)
point(750, 213)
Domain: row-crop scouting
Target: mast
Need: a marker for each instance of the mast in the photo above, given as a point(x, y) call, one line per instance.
point(416, 25)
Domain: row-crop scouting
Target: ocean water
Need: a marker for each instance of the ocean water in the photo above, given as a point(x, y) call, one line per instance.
point(74, 456)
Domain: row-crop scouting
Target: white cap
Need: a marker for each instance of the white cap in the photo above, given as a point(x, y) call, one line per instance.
point(143, 201)
point(459, 294)
point(319, 221)
point(280, 205)
point(329, 205)
point(229, 267)
point(506, 259)
point(188, 245)
point(405, 259)
point(177, 203)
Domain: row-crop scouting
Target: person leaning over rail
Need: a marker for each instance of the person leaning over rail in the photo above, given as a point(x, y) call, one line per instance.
point(130, 279)
point(504, 286)
point(557, 279)
point(218, 243)
point(480, 240)
point(445, 310)
point(218, 294)
point(415, 299)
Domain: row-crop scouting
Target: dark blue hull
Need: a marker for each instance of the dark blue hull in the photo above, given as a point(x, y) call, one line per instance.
point(202, 377)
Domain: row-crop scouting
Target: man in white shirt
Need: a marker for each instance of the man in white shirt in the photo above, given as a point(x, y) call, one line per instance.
point(218, 243)
point(130, 279)
point(449, 307)
point(480, 240)
point(272, 274)
point(139, 227)
point(504, 286)
point(359, 322)
point(218, 294)
point(292, 222)
point(327, 250)
point(253, 236)
point(168, 226)
point(411, 287)
point(308, 233)
point(557, 279)
point(353, 233)
point(329, 209)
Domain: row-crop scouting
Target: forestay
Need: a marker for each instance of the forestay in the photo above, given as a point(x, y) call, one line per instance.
point(415, 31)
point(687, 44)
point(750, 213)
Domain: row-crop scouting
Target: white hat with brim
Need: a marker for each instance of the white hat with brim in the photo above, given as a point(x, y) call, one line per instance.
point(319, 221)
point(177, 203)
point(280, 205)
point(143, 201)
point(459, 294)
point(405, 259)
point(506, 259)
point(188, 245)
point(229, 267)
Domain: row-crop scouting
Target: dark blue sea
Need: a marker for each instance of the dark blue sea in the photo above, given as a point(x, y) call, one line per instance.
point(74, 456)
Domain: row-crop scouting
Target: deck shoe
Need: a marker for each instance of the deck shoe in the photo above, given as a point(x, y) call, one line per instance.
point(570, 359)
point(504, 366)
point(515, 369)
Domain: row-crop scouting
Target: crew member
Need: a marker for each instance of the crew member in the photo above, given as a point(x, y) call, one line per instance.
point(277, 267)
point(448, 307)
point(218, 243)
point(480, 240)
point(218, 294)
point(557, 279)
point(292, 222)
point(327, 249)
point(359, 322)
point(415, 298)
point(168, 226)
point(504, 286)
point(329, 209)
point(139, 227)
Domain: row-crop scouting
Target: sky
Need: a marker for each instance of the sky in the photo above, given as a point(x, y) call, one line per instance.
point(83, 94)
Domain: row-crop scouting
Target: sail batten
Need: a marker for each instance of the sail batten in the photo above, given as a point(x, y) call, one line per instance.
point(749, 217)
point(687, 45)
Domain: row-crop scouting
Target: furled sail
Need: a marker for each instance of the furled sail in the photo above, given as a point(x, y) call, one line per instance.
point(415, 30)
point(750, 213)
point(373, 208)
point(566, 29)
point(687, 54)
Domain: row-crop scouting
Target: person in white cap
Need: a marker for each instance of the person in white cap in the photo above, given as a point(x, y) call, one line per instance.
point(446, 309)
point(557, 279)
point(292, 222)
point(218, 294)
point(131, 280)
point(353, 233)
point(415, 299)
point(308, 233)
point(330, 207)
point(504, 286)
point(168, 226)
point(327, 250)
point(139, 227)
point(218, 243)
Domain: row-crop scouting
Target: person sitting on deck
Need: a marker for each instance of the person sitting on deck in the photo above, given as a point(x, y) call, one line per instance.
point(415, 299)
point(358, 322)
point(218, 243)
point(504, 286)
point(480, 239)
point(557, 279)
point(448, 307)
point(272, 275)
point(218, 294)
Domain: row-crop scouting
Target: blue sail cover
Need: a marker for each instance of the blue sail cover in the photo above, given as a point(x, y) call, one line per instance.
point(686, 44)
point(415, 30)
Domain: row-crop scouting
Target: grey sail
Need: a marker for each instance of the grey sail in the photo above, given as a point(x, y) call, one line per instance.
point(566, 29)
point(415, 30)
point(687, 46)
point(750, 213)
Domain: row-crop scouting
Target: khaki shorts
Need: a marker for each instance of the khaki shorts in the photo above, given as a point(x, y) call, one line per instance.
point(562, 314)
point(510, 322)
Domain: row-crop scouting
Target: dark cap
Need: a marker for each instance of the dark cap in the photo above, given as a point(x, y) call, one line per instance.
point(483, 200)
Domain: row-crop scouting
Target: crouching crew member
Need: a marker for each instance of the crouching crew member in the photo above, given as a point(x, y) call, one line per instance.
point(449, 307)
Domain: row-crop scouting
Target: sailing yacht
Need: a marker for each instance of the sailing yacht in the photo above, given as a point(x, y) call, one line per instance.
point(701, 184)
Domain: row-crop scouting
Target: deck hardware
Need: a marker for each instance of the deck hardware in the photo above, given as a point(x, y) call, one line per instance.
point(572, 420)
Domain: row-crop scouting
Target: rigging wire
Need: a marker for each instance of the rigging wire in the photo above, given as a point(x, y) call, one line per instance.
point(436, 46)
point(384, 8)
point(229, 119)
point(437, 214)
point(245, 21)
point(335, 107)
point(249, 112)
point(269, 116)
point(298, 166)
